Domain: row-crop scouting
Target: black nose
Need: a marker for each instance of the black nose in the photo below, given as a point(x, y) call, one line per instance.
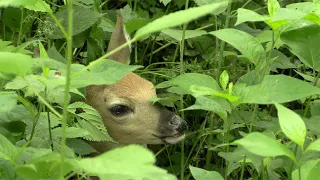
point(178, 124)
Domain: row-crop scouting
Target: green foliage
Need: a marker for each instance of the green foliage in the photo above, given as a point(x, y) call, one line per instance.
point(247, 82)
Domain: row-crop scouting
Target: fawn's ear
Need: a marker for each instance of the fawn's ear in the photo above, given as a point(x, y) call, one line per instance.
point(119, 37)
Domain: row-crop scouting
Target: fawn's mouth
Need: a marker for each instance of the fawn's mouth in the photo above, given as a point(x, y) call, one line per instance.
point(174, 139)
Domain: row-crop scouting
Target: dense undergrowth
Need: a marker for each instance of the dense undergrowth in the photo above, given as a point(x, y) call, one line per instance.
point(244, 74)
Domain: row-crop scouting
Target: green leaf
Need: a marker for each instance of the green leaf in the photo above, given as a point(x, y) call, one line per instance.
point(177, 34)
point(80, 147)
point(219, 106)
point(15, 63)
point(304, 43)
point(314, 146)
point(6, 3)
point(40, 5)
point(180, 17)
point(182, 83)
point(262, 145)
point(83, 18)
point(84, 3)
point(71, 132)
point(98, 71)
point(7, 150)
point(315, 172)
point(292, 125)
point(246, 15)
point(202, 174)
point(137, 161)
point(224, 79)
point(273, 6)
point(8, 100)
point(277, 89)
point(306, 168)
point(91, 121)
point(244, 42)
point(165, 2)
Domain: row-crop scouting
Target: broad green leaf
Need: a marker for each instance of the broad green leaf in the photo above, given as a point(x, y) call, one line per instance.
point(84, 3)
point(71, 132)
point(246, 15)
point(6, 3)
point(180, 17)
point(306, 168)
point(83, 18)
point(273, 6)
point(224, 79)
point(314, 173)
point(277, 89)
point(304, 43)
point(182, 83)
point(7, 150)
point(202, 174)
point(165, 2)
point(100, 72)
point(15, 63)
point(262, 145)
point(129, 162)
point(292, 125)
point(244, 42)
point(8, 100)
point(90, 120)
point(79, 146)
point(219, 106)
point(177, 34)
point(30, 84)
point(314, 146)
point(205, 2)
point(40, 5)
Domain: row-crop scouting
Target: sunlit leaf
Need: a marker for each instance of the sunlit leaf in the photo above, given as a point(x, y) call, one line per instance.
point(306, 168)
point(15, 63)
point(246, 15)
point(262, 145)
point(180, 17)
point(202, 174)
point(5, 3)
point(292, 125)
point(273, 6)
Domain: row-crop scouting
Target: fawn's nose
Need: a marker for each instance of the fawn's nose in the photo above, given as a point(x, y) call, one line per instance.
point(178, 124)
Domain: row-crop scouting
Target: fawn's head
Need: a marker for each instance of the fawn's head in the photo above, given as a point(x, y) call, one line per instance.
point(128, 115)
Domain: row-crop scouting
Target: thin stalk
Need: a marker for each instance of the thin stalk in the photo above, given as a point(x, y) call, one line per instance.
point(226, 25)
point(253, 117)
point(210, 138)
point(66, 87)
point(242, 169)
point(291, 167)
point(49, 127)
point(48, 105)
point(20, 29)
point(181, 97)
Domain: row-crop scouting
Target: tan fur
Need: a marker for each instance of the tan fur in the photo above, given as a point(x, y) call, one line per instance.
point(146, 123)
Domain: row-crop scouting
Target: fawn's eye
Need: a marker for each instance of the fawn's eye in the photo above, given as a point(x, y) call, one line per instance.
point(119, 110)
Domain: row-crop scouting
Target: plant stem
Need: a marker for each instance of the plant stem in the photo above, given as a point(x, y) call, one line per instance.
point(226, 25)
point(20, 29)
point(181, 97)
point(66, 87)
point(253, 117)
point(242, 169)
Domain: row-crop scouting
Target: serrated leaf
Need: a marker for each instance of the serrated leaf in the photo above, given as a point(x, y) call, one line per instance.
point(137, 161)
point(6, 3)
point(262, 145)
point(292, 125)
point(246, 15)
point(83, 18)
point(71, 132)
point(15, 63)
point(244, 42)
point(277, 89)
point(8, 100)
point(303, 42)
point(180, 17)
point(202, 174)
point(91, 121)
